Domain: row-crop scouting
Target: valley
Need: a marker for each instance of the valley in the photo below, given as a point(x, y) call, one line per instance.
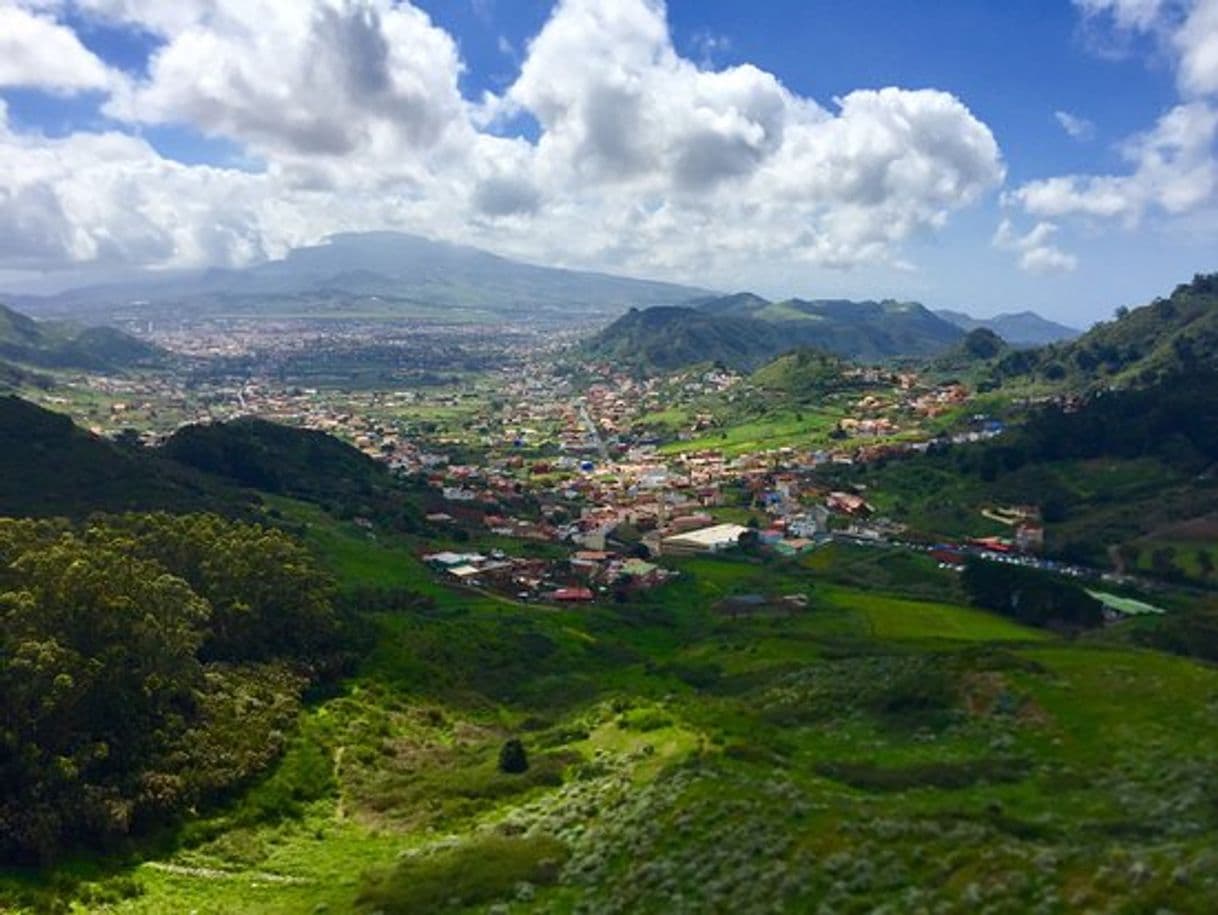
point(828, 633)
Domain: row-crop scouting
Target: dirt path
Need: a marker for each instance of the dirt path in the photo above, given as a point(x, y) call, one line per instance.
point(212, 873)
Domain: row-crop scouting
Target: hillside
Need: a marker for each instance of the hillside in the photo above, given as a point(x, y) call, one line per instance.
point(49, 467)
point(388, 273)
point(744, 331)
point(1170, 336)
point(663, 339)
point(866, 331)
point(60, 345)
point(1025, 328)
point(975, 354)
point(800, 374)
point(299, 463)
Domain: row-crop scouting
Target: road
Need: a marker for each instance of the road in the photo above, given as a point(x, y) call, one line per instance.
point(593, 432)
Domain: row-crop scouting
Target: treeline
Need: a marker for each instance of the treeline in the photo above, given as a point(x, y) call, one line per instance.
point(148, 663)
point(1030, 597)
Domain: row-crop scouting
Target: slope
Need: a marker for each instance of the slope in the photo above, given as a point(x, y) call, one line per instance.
point(50, 467)
point(663, 339)
point(393, 273)
point(60, 345)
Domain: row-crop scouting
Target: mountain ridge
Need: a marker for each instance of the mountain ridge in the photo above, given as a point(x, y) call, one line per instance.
point(1018, 328)
point(396, 270)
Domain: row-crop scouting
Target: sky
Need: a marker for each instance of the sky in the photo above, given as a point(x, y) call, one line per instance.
point(1059, 155)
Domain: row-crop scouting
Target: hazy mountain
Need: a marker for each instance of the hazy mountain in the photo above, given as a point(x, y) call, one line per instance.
point(62, 345)
point(386, 272)
point(1024, 328)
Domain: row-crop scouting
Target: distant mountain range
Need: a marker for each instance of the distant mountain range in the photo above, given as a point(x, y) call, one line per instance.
point(1024, 328)
point(373, 273)
point(26, 344)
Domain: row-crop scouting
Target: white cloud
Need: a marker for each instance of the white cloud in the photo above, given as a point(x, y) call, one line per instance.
point(1174, 171)
point(1077, 128)
point(1126, 14)
point(644, 160)
point(1036, 253)
point(1197, 43)
point(1173, 166)
point(37, 52)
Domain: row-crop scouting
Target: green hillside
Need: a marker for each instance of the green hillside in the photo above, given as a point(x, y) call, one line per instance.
point(1139, 346)
point(662, 339)
point(743, 331)
point(61, 345)
point(299, 463)
point(49, 467)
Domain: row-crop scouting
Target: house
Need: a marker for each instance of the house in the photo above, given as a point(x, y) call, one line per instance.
point(713, 539)
point(847, 503)
point(571, 595)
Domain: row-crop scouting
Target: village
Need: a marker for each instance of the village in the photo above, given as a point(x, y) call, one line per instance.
point(530, 453)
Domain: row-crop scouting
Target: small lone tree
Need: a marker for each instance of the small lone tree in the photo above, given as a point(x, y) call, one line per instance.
point(512, 757)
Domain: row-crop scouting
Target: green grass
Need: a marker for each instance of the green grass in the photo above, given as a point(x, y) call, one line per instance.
point(899, 619)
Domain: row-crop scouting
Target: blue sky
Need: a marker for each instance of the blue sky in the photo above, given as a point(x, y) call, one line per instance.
point(1048, 154)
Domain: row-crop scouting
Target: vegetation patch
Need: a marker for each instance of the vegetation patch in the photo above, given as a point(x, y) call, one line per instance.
point(477, 872)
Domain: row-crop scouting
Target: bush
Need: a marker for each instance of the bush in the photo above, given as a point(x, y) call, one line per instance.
point(512, 758)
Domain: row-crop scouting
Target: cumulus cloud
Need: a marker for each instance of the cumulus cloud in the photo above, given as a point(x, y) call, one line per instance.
point(37, 52)
point(1036, 253)
point(1174, 171)
point(643, 159)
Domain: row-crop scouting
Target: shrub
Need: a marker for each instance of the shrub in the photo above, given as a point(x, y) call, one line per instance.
point(512, 758)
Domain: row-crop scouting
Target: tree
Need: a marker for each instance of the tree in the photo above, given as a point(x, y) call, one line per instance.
point(512, 757)
point(1205, 563)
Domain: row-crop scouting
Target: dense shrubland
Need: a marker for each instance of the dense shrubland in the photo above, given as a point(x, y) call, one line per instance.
point(147, 663)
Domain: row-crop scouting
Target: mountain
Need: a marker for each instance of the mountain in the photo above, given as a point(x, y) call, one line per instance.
point(663, 339)
point(744, 331)
point(386, 272)
point(61, 345)
point(867, 331)
point(1024, 328)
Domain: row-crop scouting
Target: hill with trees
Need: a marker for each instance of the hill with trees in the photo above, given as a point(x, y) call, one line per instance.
point(51, 467)
point(1140, 346)
point(663, 339)
point(744, 331)
point(62, 345)
point(300, 463)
